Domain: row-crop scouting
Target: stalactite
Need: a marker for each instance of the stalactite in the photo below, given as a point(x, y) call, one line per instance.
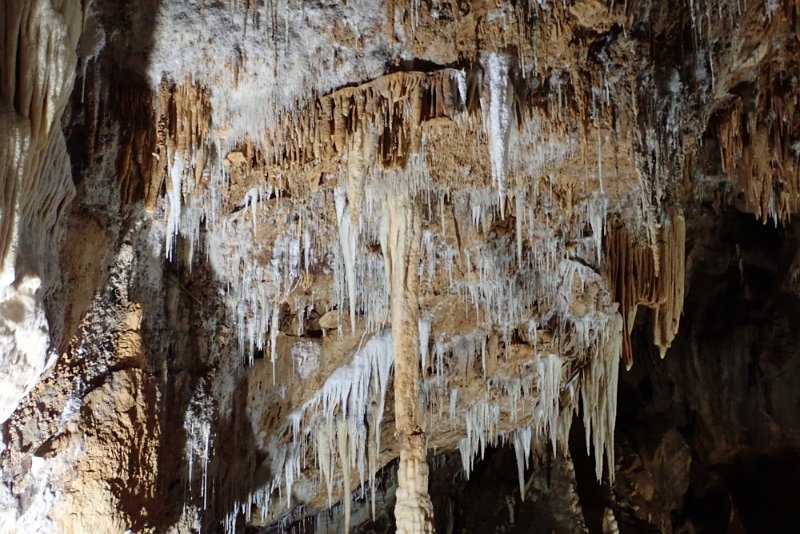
point(498, 121)
point(640, 275)
point(672, 280)
point(393, 105)
point(599, 395)
point(758, 148)
point(342, 439)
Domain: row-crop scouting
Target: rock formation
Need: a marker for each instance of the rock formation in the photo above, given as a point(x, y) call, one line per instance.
point(275, 265)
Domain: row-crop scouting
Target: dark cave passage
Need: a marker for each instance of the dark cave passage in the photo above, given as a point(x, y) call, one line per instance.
point(715, 424)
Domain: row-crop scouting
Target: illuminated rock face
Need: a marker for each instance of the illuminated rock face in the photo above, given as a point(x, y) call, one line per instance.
point(38, 72)
point(254, 252)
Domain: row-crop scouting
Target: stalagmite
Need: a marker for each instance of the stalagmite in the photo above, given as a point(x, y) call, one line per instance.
point(413, 511)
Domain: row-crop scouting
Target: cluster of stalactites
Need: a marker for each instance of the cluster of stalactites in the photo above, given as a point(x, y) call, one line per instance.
point(340, 424)
point(377, 127)
point(181, 144)
point(540, 405)
point(161, 125)
point(759, 148)
point(393, 107)
point(753, 114)
point(183, 126)
point(651, 276)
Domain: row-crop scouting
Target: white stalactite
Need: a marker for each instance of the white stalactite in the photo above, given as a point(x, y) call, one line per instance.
point(347, 242)
point(498, 120)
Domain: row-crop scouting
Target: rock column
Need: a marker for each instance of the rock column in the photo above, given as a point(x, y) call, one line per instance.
point(413, 510)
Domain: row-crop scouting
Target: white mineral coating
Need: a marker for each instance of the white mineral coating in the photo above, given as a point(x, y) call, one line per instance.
point(24, 342)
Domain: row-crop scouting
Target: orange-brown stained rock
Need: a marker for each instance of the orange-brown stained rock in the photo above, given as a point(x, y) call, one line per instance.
point(654, 277)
